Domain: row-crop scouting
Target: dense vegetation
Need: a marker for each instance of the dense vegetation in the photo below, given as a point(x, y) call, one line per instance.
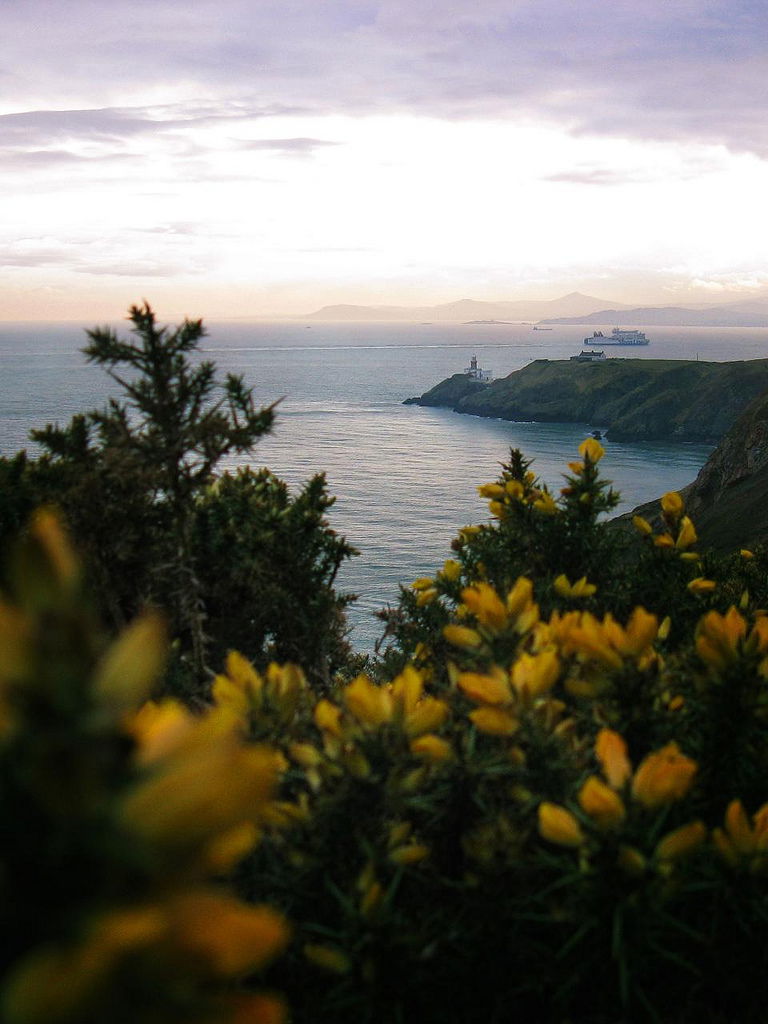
point(546, 800)
point(223, 555)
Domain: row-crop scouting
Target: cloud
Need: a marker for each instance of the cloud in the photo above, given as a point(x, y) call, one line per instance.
point(289, 147)
point(688, 70)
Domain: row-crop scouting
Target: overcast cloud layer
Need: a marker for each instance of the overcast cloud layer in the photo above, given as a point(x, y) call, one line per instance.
point(286, 153)
point(660, 69)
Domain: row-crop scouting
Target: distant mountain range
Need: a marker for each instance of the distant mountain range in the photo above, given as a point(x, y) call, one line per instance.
point(570, 309)
point(750, 314)
point(572, 305)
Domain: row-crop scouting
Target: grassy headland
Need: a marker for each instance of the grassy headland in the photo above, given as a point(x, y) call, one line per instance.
point(635, 399)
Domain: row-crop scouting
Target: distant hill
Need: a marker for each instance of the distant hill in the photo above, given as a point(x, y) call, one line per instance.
point(573, 305)
point(635, 399)
point(748, 314)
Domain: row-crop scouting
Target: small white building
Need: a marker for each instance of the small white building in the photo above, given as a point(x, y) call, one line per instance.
point(475, 372)
point(588, 357)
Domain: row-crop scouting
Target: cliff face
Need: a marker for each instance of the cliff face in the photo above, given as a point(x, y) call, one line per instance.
point(635, 399)
point(728, 500)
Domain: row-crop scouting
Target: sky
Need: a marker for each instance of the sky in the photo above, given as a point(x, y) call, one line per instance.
point(235, 158)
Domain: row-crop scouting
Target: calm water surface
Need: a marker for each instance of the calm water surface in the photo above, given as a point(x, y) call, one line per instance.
point(404, 477)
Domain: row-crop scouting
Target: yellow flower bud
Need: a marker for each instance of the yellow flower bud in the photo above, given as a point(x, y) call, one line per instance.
point(642, 525)
point(672, 504)
point(432, 748)
point(462, 636)
point(370, 704)
point(485, 689)
point(486, 605)
point(601, 803)
point(680, 842)
point(558, 825)
point(591, 450)
point(491, 491)
point(451, 570)
point(494, 721)
point(663, 777)
point(411, 854)
point(611, 752)
point(701, 586)
point(746, 553)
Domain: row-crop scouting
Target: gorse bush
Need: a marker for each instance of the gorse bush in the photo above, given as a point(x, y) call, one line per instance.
point(231, 560)
point(552, 811)
point(549, 799)
point(120, 818)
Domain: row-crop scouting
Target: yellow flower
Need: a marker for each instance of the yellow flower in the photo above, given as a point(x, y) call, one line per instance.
point(515, 489)
point(701, 586)
point(742, 838)
point(202, 796)
point(370, 704)
point(520, 597)
point(746, 553)
point(328, 718)
point(462, 636)
point(486, 689)
point(591, 450)
point(231, 937)
point(491, 491)
point(428, 715)
point(423, 583)
point(664, 628)
point(581, 588)
point(611, 752)
point(451, 570)
point(432, 748)
point(642, 525)
point(719, 637)
point(672, 504)
point(425, 597)
point(486, 605)
point(601, 803)
point(160, 729)
point(496, 508)
point(680, 842)
point(686, 535)
point(494, 721)
point(558, 825)
point(133, 664)
point(664, 540)
point(535, 674)
point(663, 777)
point(545, 504)
point(410, 854)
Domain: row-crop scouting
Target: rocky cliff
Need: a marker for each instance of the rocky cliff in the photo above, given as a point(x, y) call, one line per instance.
point(728, 500)
point(634, 399)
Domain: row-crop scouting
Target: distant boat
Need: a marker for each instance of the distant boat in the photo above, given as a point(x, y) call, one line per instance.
point(543, 328)
point(617, 337)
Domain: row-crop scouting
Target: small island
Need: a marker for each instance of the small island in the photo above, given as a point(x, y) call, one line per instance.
point(631, 399)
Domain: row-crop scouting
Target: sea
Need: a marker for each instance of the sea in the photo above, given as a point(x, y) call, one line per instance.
point(405, 478)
